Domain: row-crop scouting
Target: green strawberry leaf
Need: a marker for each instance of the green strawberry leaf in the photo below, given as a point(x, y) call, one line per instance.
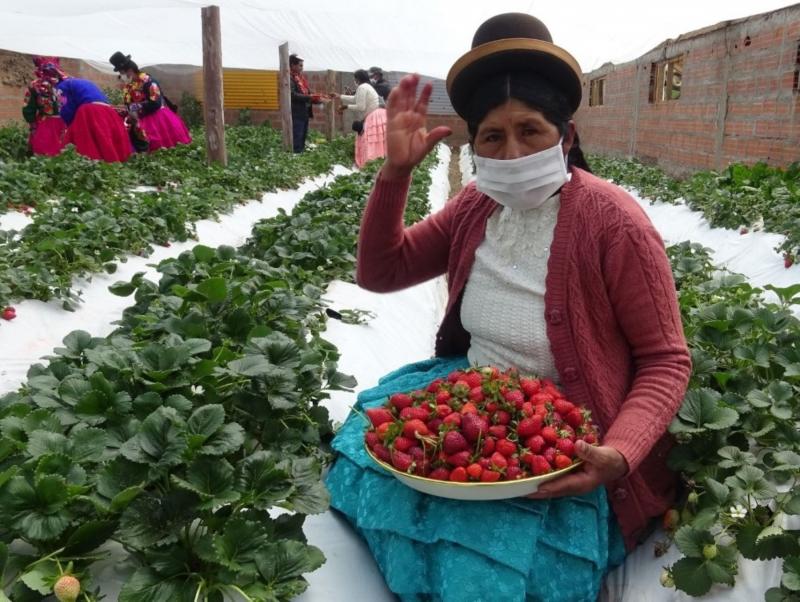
point(238, 546)
point(148, 586)
point(690, 541)
point(212, 479)
point(263, 484)
point(282, 564)
point(701, 411)
point(691, 576)
point(718, 491)
point(791, 573)
point(160, 442)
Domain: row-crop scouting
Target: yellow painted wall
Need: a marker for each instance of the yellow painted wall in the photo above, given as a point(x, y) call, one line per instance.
point(246, 89)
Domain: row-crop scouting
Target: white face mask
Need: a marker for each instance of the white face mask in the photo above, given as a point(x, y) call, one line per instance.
point(524, 183)
point(125, 78)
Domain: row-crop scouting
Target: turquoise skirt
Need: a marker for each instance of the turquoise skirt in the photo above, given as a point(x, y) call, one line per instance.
point(431, 548)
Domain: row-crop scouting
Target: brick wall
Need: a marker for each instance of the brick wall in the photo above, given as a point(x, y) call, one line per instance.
point(737, 102)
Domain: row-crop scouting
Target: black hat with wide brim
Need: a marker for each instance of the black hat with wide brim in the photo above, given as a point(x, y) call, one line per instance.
point(120, 61)
point(513, 42)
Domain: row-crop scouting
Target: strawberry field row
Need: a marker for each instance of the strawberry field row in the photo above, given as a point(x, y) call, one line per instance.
point(177, 434)
point(86, 216)
point(738, 197)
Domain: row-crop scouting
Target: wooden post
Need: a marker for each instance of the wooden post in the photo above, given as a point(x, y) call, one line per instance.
point(213, 108)
point(285, 95)
point(330, 108)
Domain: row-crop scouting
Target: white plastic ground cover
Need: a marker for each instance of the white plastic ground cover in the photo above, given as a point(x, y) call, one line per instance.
point(40, 326)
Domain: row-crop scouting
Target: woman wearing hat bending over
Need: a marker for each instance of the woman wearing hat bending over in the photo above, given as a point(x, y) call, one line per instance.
point(552, 271)
point(41, 111)
point(93, 126)
point(146, 103)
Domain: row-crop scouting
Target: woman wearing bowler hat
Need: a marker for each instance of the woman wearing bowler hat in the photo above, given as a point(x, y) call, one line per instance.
point(551, 271)
point(148, 106)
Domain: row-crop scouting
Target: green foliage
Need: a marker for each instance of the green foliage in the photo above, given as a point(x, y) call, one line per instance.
point(191, 110)
point(114, 95)
point(13, 147)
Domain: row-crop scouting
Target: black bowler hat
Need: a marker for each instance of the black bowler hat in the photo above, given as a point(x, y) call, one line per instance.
point(513, 42)
point(120, 61)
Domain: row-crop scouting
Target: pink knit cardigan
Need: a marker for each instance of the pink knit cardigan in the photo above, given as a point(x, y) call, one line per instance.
point(610, 305)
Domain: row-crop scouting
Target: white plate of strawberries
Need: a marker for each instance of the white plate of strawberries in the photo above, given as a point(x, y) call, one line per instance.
point(479, 434)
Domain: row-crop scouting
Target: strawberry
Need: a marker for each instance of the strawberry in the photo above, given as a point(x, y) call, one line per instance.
point(461, 388)
point(455, 376)
point(513, 472)
point(491, 407)
point(563, 407)
point(550, 454)
point(540, 465)
point(469, 408)
point(377, 416)
point(499, 431)
point(490, 372)
point(513, 461)
point(9, 313)
point(382, 453)
point(440, 474)
point(442, 397)
point(590, 438)
point(535, 444)
point(506, 448)
point(473, 379)
point(527, 457)
point(499, 460)
point(403, 444)
point(514, 397)
point(443, 410)
point(383, 430)
point(474, 470)
point(459, 474)
point(788, 260)
point(67, 588)
point(528, 427)
point(417, 453)
point(474, 426)
point(453, 418)
point(419, 413)
point(476, 395)
point(434, 386)
point(562, 461)
point(400, 401)
point(574, 418)
point(485, 463)
point(454, 442)
point(549, 435)
point(490, 476)
point(433, 425)
point(671, 519)
point(372, 439)
point(488, 447)
point(459, 459)
point(529, 386)
point(501, 417)
point(415, 427)
point(566, 447)
point(401, 461)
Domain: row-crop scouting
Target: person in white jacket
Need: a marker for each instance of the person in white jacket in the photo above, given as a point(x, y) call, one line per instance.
point(370, 119)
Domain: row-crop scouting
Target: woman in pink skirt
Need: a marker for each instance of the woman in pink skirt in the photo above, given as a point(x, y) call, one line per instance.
point(41, 111)
point(145, 102)
point(370, 123)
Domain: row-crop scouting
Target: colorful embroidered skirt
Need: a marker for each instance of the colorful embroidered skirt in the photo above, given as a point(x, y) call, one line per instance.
point(371, 143)
point(431, 548)
point(164, 129)
point(98, 132)
point(47, 136)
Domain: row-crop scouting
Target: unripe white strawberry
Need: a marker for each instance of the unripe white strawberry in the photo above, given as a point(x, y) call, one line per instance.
point(67, 588)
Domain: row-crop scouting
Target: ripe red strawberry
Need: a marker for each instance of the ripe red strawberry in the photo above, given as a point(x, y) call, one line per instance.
point(574, 418)
point(485, 463)
point(566, 447)
point(506, 448)
point(476, 395)
point(528, 409)
point(67, 588)
point(501, 417)
point(513, 461)
point(563, 407)
point(540, 465)
point(550, 454)
point(527, 457)
point(442, 397)
point(417, 453)
point(528, 427)
point(474, 470)
point(382, 453)
point(9, 313)
point(459, 459)
point(541, 398)
point(383, 430)
point(529, 386)
point(469, 408)
point(788, 260)
point(440, 474)
point(488, 447)
point(513, 472)
point(499, 431)
point(562, 461)
point(671, 519)
point(453, 418)
point(473, 379)
point(433, 425)
point(377, 416)
point(590, 438)
point(549, 435)
point(514, 397)
point(535, 444)
point(443, 410)
point(401, 461)
point(372, 438)
point(434, 386)
point(459, 474)
point(499, 460)
point(404, 444)
point(454, 442)
point(491, 407)
point(415, 427)
point(401, 400)
point(490, 476)
point(473, 426)
point(419, 413)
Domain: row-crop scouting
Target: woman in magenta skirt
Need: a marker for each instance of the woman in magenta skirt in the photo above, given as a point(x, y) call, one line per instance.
point(145, 101)
point(41, 111)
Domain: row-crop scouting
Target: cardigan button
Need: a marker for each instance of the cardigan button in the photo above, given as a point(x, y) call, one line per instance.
point(620, 494)
point(555, 317)
point(570, 374)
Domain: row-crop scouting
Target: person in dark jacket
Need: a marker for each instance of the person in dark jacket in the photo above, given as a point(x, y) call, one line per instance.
point(302, 102)
point(382, 87)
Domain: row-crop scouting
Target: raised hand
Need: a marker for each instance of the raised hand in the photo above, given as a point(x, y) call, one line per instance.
point(408, 140)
